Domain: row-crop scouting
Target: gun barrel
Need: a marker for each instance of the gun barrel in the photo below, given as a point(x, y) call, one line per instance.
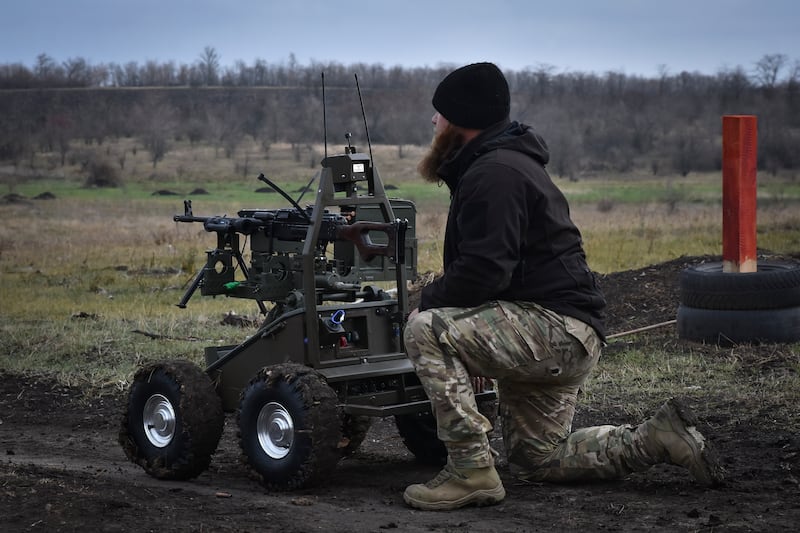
point(245, 226)
point(189, 218)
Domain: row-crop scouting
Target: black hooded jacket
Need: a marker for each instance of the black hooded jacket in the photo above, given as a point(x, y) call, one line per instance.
point(509, 235)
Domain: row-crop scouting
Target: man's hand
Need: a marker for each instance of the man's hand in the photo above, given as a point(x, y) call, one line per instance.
point(480, 384)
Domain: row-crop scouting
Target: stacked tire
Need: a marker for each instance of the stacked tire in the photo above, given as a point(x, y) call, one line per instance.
point(726, 308)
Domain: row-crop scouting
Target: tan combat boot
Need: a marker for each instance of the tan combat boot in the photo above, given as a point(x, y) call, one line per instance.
point(454, 487)
point(671, 436)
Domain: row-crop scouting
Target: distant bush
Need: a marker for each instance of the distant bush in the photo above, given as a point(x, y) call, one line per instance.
point(673, 196)
point(605, 205)
point(103, 174)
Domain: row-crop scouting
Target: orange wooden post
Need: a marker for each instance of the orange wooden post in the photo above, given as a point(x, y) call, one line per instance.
point(739, 144)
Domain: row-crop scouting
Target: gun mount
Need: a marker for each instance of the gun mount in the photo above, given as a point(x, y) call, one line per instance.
point(290, 248)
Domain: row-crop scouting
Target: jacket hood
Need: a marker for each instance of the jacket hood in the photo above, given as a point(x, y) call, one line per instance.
point(506, 135)
point(518, 137)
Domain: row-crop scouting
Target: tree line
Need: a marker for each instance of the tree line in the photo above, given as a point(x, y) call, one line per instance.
point(593, 123)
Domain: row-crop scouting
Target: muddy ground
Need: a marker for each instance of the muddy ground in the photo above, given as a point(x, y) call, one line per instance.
point(61, 468)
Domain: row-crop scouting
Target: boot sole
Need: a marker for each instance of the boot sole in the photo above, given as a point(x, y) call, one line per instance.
point(714, 474)
point(479, 498)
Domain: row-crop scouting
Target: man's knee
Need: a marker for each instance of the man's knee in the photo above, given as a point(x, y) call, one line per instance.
point(530, 452)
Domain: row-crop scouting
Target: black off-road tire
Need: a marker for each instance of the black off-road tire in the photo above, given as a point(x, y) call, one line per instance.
point(728, 327)
point(776, 285)
point(173, 420)
point(419, 433)
point(354, 431)
point(289, 427)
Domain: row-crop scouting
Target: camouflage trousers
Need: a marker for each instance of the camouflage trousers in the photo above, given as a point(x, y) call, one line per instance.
point(539, 360)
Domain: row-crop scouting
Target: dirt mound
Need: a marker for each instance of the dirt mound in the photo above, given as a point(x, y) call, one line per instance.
point(14, 198)
point(646, 296)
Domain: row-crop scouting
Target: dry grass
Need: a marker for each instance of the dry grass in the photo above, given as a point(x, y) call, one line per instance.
point(81, 276)
point(633, 236)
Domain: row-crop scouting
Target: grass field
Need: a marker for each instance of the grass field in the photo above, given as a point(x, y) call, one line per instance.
point(90, 277)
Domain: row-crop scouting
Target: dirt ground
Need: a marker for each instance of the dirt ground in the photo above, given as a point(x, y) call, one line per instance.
point(62, 470)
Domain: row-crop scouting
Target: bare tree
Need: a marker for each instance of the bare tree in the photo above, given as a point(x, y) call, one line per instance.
point(77, 72)
point(685, 153)
point(768, 69)
point(209, 65)
point(794, 72)
point(46, 69)
point(663, 78)
point(543, 76)
point(156, 127)
point(733, 84)
point(155, 141)
point(793, 88)
point(129, 75)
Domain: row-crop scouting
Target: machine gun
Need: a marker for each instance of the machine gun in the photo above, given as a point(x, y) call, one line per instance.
point(277, 248)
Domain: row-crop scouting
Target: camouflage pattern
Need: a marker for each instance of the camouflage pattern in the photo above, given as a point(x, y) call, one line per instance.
point(539, 360)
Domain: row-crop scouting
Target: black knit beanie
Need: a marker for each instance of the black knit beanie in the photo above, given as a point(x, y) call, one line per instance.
point(475, 96)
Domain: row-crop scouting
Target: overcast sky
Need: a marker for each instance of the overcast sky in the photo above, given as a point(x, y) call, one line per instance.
point(629, 36)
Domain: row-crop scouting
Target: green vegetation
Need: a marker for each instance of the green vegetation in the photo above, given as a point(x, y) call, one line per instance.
point(89, 280)
point(647, 370)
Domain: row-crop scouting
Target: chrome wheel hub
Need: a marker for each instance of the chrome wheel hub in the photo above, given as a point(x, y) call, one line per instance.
point(159, 420)
point(275, 430)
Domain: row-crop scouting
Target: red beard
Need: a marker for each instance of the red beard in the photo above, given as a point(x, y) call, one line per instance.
point(445, 144)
